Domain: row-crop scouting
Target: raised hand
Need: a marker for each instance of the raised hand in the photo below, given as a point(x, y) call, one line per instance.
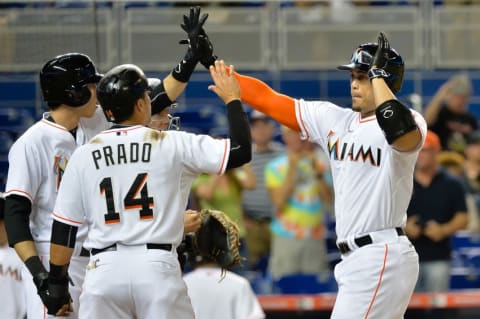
point(380, 58)
point(193, 26)
point(225, 84)
point(197, 39)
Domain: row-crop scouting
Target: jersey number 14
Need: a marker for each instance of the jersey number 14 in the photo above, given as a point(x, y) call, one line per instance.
point(131, 201)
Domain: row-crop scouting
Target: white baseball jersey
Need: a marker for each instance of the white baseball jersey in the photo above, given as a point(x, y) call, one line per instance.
point(37, 161)
point(131, 184)
point(373, 182)
point(12, 302)
point(216, 298)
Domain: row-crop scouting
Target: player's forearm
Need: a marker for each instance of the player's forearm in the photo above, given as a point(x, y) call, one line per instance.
point(60, 255)
point(264, 99)
point(381, 91)
point(240, 137)
point(173, 87)
point(62, 243)
point(25, 249)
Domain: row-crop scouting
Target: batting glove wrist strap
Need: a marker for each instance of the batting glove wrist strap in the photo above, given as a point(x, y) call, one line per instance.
point(184, 69)
point(378, 73)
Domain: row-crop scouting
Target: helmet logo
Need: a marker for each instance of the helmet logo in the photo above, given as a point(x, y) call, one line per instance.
point(362, 57)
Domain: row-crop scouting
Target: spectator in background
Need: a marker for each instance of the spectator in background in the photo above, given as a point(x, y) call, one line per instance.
point(453, 163)
point(447, 113)
point(298, 192)
point(12, 302)
point(471, 180)
point(256, 202)
point(215, 295)
point(224, 192)
point(436, 211)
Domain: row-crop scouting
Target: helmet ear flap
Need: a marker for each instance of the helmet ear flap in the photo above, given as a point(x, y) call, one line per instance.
point(78, 96)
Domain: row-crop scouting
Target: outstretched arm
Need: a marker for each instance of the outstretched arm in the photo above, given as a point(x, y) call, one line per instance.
point(263, 98)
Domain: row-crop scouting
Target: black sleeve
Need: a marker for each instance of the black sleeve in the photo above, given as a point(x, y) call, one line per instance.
point(63, 234)
point(159, 98)
point(17, 219)
point(240, 138)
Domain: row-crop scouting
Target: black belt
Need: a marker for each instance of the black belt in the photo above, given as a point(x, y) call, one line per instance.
point(363, 241)
point(84, 252)
point(167, 247)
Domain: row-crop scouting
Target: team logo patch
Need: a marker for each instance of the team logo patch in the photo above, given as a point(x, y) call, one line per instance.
point(59, 165)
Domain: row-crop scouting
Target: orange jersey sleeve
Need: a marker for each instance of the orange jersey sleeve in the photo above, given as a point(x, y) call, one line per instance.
point(263, 98)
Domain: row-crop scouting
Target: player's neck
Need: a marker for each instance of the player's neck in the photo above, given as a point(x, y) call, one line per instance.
point(65, 118)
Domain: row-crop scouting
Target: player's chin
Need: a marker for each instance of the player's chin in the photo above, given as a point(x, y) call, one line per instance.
point(356, 108)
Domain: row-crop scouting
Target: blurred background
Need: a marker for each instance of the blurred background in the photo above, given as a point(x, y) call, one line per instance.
point(294, 46)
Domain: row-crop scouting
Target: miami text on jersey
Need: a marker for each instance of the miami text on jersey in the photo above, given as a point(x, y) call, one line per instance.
point(122, 154)
point(7, 271)
point(353, 152)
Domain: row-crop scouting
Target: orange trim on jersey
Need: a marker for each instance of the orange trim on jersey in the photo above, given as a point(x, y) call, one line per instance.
point(54, 125)
point(224, 157)
point(122, 129)
point(30, 197)
point(139, 188)
point(301, 122)
point(367, 119)
point(266, 100)
point(67, 219)
point(146, 217)
point(113, 221)
point(379, 282)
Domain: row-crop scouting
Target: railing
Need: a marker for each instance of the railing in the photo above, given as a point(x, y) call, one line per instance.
point(268, 37)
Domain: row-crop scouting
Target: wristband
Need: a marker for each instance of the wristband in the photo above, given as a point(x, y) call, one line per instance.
point(35, 266)
point(184, 69)
point(377, 73)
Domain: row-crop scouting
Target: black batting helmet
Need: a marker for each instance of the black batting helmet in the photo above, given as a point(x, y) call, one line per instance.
point(362, 58)
point(64, 78)
point(119, 89)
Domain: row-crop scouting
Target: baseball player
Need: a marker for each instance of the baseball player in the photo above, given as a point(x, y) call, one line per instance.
point(12, 302)
point(37, 161)
point(372, 152)
point(130, 185)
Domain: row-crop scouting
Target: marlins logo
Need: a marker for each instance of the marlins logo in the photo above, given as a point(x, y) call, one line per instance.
point(59, 165)
point(351, 152)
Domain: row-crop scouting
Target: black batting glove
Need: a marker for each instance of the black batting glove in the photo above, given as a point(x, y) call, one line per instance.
point(205, 49)
point(193, 26)
point(57, 294)
point(197, 38)
point(380, 59)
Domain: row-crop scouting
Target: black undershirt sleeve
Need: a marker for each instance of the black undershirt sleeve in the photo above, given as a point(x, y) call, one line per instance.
point(17, 219)
point(63, 234)
point(240, 137)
